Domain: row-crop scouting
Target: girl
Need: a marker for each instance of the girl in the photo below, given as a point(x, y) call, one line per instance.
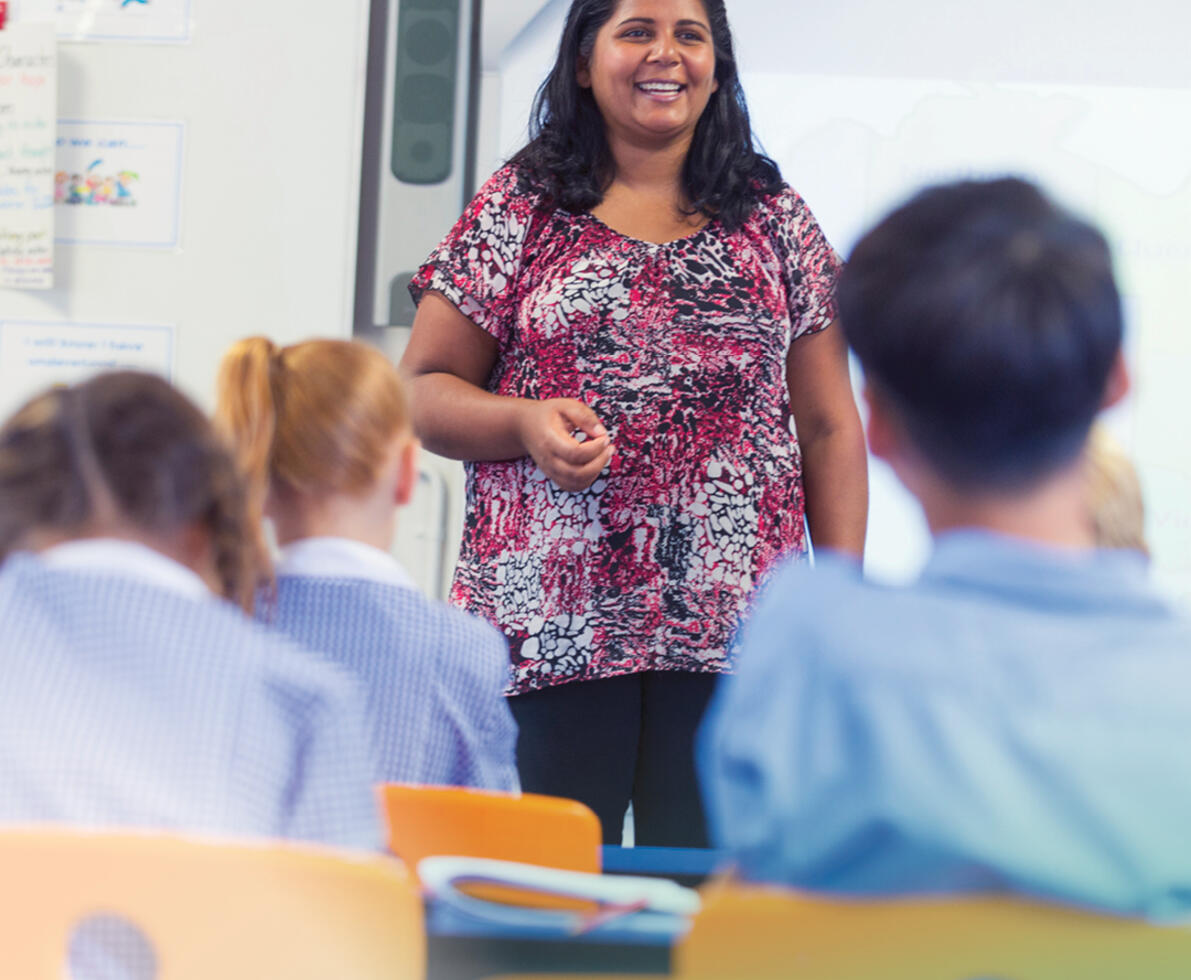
point(133, 693)
point(323, 430)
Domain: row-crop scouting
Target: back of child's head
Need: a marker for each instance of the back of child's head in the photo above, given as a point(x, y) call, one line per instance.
point(1115, 506)
point(125, 452)
point(988, 320)
point(310, 420)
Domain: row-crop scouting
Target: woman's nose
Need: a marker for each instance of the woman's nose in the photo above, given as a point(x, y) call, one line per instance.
point(663, 50)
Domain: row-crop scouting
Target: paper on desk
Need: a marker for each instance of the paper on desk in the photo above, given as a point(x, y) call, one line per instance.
point(442, 876)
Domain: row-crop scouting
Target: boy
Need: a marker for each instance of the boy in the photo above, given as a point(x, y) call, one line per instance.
point(1019, 717)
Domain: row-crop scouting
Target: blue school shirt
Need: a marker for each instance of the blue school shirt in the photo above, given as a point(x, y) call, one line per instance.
point(434, 677)
point(1019, 718)
point(131, 696)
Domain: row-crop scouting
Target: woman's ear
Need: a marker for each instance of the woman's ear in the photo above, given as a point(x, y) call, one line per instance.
point(407, 471)
point(583, 72)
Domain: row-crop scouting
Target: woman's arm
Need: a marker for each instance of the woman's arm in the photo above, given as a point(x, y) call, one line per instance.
point(448, 361)
point(834, 462)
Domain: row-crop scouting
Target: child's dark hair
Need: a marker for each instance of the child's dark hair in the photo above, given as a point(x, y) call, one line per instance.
point(988, 319)
point(568, 159)
point(126, 449)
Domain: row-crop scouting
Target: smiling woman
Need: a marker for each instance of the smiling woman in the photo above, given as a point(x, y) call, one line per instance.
point(615, 336)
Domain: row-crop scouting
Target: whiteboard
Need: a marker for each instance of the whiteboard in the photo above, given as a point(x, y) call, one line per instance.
point(862, 103)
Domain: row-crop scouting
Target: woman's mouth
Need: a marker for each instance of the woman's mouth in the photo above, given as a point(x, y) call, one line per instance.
point(662, 91)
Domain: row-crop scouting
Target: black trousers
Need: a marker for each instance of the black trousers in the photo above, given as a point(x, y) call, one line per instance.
point(608, 741)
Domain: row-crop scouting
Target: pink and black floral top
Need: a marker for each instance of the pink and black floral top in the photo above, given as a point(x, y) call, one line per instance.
point(680, 349)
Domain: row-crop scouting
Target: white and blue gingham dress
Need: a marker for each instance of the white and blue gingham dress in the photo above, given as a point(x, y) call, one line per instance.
point(129, 704)
point(433, 676)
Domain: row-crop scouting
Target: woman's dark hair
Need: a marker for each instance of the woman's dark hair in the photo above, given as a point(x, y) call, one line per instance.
point(988, 319)
point(568, 160)
point(126, 449)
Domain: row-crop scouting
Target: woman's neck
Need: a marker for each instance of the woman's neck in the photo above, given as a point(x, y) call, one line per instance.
point(651, 170)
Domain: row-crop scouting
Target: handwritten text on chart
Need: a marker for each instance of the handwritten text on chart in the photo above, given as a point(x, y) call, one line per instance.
point(27, 108)
point(35, 355)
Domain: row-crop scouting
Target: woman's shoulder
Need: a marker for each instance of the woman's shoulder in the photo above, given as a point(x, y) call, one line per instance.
point(779, 205)
point(511, 185)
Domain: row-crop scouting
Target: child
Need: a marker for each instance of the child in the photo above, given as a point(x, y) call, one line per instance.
point(323, 429)
point(132, 694)
point(1018, 717)
point(1114, 501)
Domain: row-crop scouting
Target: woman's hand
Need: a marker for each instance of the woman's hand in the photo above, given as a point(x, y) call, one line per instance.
point(448, 361)
point(548, 431)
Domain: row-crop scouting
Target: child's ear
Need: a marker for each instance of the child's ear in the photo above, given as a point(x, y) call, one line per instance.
point(881, 431)
point(1118, 384)
point(407, 471)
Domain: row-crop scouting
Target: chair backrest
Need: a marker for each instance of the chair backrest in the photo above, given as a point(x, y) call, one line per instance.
point(209, 908)
point(758, 933)
point(533, 829)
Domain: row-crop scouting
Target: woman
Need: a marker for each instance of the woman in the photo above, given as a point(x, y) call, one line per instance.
point(323, 431)
point(615, 335)
point(133, 693)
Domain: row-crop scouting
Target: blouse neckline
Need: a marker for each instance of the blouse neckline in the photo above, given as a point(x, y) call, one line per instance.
point(681, 240)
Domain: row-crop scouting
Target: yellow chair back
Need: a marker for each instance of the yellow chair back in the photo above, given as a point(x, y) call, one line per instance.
point(759, 933)
point(209, 908)
point(768, 933)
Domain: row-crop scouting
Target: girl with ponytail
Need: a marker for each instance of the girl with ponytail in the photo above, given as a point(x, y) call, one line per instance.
point(322, 430)
point(135, 692)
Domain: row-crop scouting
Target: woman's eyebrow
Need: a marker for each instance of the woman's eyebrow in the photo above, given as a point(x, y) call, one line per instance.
point(650, 20)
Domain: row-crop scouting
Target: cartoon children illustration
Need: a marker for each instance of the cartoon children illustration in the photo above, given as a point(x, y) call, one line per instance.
point(123, 191)
point(60, 183)
point(78, 187)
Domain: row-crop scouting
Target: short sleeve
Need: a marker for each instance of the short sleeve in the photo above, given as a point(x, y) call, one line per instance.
point(477, 265)
point(810, 266)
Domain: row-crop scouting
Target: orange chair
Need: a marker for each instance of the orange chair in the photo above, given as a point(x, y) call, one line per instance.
point(207, 909)
point(532, 829)
point(759, 933)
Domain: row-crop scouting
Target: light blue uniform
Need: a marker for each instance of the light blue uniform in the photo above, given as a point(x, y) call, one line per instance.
point(128, 703)
point(434, 677)
point(1018, 718)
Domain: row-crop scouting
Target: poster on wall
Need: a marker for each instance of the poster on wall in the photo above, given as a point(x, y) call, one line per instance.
point(37, 354)
point(152, 21)
point(118, 183)
point(27, 117)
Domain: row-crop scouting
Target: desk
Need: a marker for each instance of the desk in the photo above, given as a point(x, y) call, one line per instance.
point(689, 866)
point(460, 947)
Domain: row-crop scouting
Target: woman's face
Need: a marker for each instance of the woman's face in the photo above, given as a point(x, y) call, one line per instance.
point(652, 70)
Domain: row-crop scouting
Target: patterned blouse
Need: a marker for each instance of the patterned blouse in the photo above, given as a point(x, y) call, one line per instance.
point(680, 349)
